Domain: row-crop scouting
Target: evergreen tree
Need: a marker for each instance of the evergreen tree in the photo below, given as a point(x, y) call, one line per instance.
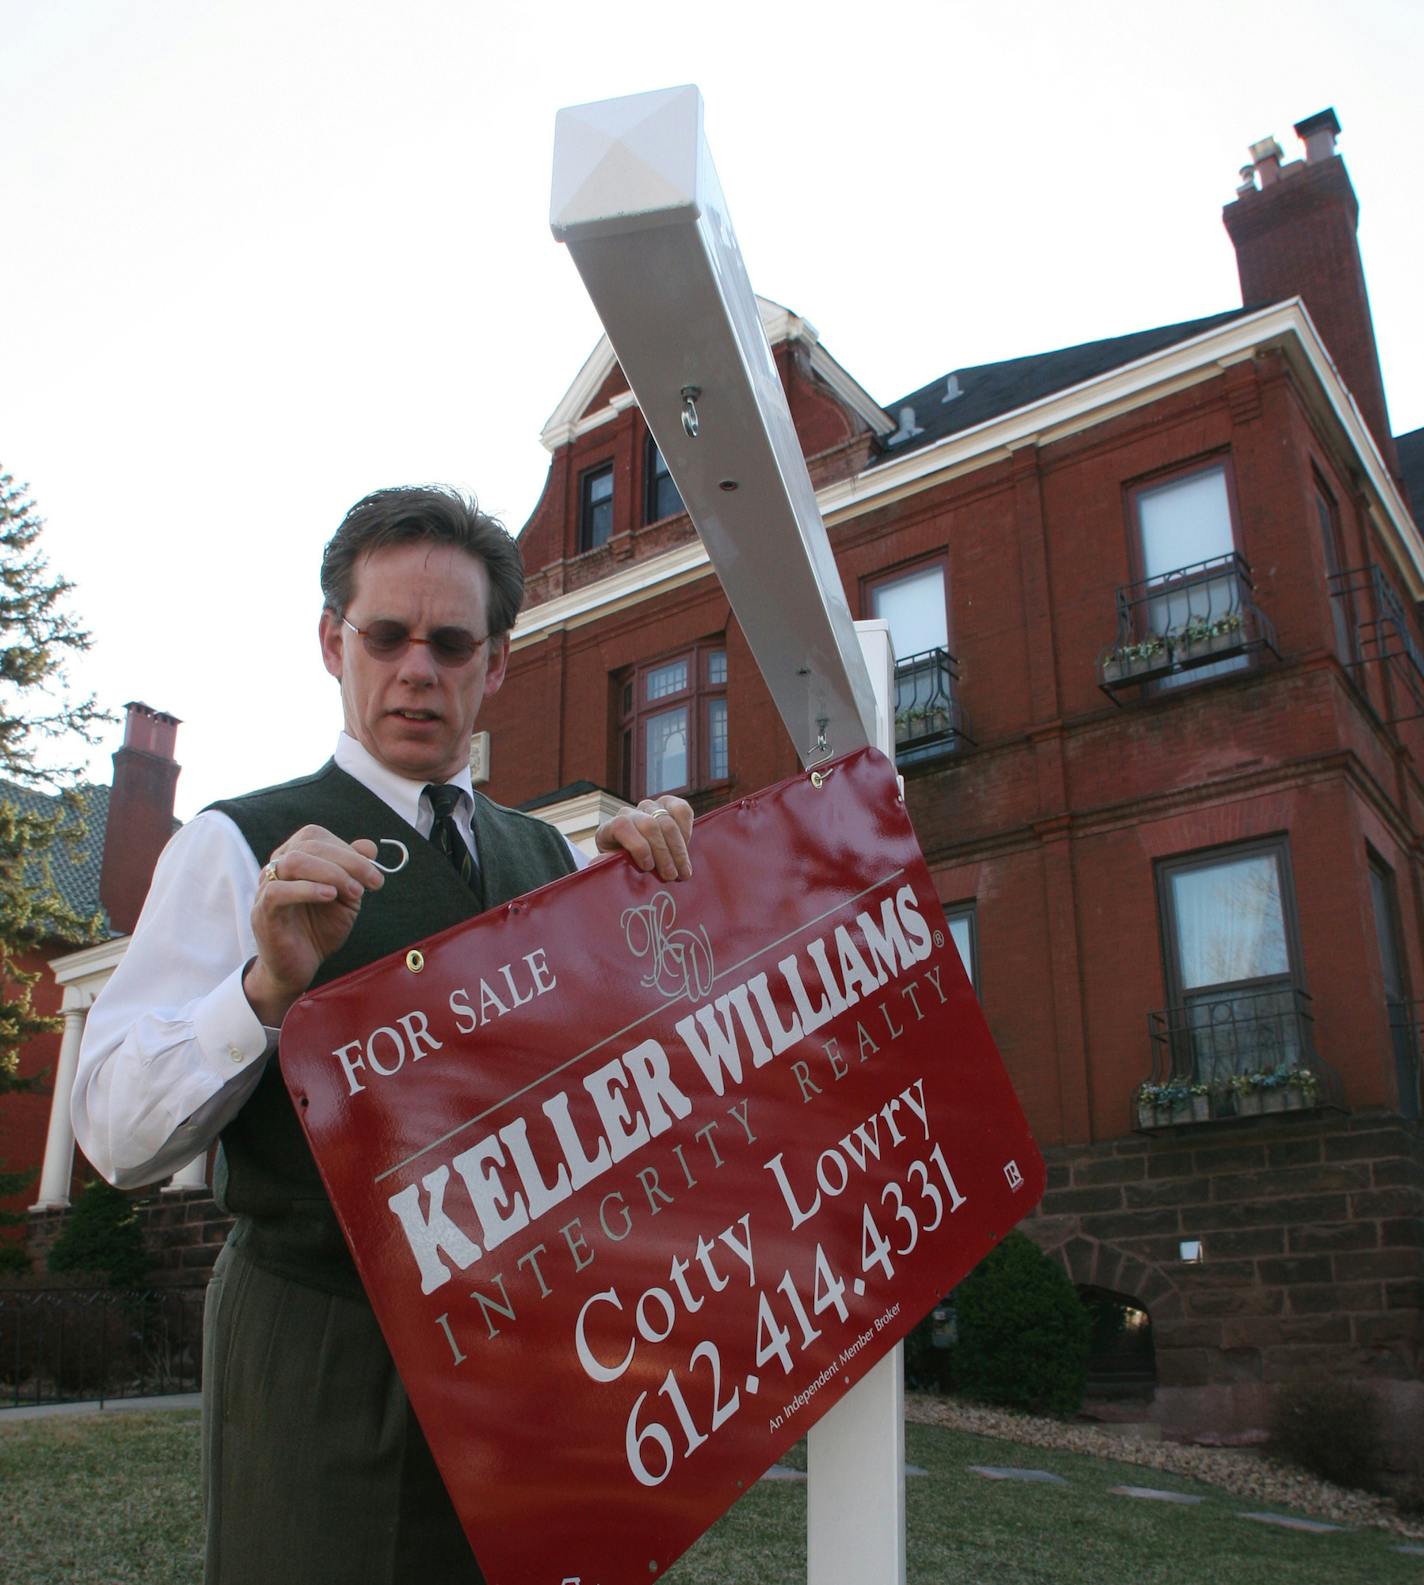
point(38, 635)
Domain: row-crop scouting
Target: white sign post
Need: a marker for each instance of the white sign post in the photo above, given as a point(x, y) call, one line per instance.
point(637, 200)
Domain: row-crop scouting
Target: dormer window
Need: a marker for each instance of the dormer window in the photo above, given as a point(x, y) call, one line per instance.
point(595, 507)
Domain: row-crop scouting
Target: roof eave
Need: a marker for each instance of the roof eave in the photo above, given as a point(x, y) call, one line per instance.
point(1132, 385)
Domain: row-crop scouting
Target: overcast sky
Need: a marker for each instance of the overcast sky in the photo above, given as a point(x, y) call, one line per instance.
point(262, 256)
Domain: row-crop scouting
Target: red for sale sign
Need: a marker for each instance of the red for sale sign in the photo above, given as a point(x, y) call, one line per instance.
point(640, 1179)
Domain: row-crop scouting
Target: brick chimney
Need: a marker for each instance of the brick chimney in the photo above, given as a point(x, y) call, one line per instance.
point(140, 812)
point(1295, 236)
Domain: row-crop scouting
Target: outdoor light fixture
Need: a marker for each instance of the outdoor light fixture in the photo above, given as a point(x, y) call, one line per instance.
point(1192, 1251)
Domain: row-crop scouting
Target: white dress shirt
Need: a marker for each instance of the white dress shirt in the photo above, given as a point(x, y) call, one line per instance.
point(171, 1047)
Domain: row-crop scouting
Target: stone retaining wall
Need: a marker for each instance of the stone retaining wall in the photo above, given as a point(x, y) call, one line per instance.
point(1313, 1261)
point(183, 1230)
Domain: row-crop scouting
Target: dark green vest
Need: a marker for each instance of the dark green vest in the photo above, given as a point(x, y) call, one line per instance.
point(265, 1174)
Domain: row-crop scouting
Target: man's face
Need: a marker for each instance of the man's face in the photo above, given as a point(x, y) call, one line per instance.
point(413, 714)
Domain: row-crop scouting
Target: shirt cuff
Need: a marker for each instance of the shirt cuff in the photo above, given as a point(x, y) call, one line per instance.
point(230, 1034)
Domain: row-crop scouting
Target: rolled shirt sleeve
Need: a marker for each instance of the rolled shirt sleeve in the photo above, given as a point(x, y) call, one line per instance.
point(172, 1048)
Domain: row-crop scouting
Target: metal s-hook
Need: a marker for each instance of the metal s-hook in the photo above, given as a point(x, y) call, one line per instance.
point(400, 863)
point(690, 421)
point(820, 749)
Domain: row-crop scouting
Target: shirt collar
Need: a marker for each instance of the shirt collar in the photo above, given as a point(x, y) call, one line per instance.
point(397, 792)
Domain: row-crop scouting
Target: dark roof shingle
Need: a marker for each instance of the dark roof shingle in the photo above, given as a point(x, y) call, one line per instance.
point(74, 865)
point(989, 390)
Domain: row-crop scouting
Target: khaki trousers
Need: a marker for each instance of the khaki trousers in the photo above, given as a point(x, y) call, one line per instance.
point(314, 1467)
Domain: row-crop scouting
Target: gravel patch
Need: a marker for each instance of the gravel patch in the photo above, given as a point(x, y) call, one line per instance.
point(1245, 1472)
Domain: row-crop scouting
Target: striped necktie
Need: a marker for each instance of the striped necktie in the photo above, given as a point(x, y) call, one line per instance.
point(445, 834)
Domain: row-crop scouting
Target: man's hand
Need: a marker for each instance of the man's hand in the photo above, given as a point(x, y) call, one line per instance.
point(308, 897)
point(654, 835)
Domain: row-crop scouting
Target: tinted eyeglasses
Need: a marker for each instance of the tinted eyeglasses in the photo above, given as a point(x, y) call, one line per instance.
point(451, 646)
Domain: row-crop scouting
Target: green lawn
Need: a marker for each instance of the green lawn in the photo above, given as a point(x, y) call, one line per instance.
point(111, 1500)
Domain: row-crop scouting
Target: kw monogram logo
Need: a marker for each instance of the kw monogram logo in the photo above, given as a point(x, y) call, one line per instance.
point(680, 960)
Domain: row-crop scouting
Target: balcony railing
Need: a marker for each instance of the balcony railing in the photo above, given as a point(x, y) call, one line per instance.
point(1406, 1025)
point(928, 719)
point(1235, 1054)
point(1382, 634)
point(1188, 620)
point(66, 1345)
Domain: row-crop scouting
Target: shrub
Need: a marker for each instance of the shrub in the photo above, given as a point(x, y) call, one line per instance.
point(14, 1261)
point(101, 1237)
point(1330, 1429)
point(1023, 1331)
point(929, 1357)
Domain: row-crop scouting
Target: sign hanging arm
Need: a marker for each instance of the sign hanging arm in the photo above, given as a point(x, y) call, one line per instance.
point(637, 201)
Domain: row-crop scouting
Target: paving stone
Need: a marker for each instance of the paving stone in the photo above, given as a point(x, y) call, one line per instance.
point(785, 1472)
point(1153, 1494)
point(1314, 1526)
point(1002, 1472)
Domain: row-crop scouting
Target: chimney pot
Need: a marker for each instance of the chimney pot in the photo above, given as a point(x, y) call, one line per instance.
point(150, 731)
point(1267, 158)
point(1318, 133)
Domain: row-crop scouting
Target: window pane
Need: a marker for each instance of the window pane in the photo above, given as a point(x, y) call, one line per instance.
point(1185, 522)
point(962, 934)
point(914, 608)
point(663, 498)
point(596, 509)
point(717, 740)
point(1241, 1032)
point(1230, 922)
point(717, 667)
point(664, 680)
point(666, 739)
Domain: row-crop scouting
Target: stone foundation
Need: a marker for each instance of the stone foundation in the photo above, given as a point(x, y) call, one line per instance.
point(183, 1230)
point(1312, 1227)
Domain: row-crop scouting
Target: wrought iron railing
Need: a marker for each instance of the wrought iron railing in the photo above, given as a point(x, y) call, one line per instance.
point(1382, 632)
point(928, 718)
point(1187, 620)
point(1406, 1024)
point(74, 1345)
point(1235, 1053)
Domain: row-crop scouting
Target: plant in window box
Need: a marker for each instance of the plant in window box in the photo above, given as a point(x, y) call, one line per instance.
point(1201, 1103)
point(917, 721)
point(1302, 1089)
point(1209, 635)
point(1246, 1093)
point(1141, 659)
point(1174, 1103)
point(1147, 1095)
point(1273, 1089)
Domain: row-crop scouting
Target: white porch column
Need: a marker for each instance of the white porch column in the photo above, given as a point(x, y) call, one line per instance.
point(81, 975)
point(193, 1176)
point(59, 1140)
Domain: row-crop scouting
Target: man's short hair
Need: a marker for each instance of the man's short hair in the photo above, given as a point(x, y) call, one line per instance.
point(425, 511)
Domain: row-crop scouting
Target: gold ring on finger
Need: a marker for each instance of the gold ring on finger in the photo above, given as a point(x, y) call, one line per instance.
point(270, 873)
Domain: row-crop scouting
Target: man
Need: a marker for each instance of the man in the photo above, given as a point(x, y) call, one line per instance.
point(314, 1467)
